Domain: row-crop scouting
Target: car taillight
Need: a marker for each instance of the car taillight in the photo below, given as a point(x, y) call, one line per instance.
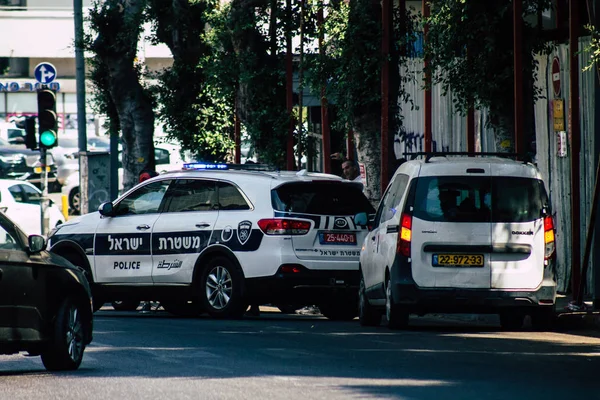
point(282, 226)
point(549, 237)
point(404, 239)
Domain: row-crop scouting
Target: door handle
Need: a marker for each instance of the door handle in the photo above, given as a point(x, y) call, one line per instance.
point(143, 227)
point(202, 225)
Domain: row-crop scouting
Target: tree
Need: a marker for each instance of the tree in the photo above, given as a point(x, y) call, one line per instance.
point(248, 67)
point(470, 52)
point(195, 111)
point(116, 26)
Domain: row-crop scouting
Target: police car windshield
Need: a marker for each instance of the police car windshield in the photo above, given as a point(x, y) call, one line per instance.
point(479, 199)
point(323, 198)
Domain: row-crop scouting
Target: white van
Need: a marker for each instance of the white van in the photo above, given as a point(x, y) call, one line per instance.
point(456, 234)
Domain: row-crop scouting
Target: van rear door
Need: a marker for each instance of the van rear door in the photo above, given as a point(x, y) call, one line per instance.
point(451, 230)
point(519, 205)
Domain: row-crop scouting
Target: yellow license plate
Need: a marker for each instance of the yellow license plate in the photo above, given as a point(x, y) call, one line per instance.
point(38, 170)
point(457, 260)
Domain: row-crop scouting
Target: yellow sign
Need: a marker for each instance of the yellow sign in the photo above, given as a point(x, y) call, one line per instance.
point(558, 107)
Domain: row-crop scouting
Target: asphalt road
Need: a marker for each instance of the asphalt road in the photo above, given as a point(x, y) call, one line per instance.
point(278, 356)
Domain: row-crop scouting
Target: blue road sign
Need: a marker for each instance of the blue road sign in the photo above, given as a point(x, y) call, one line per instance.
point(44, 73)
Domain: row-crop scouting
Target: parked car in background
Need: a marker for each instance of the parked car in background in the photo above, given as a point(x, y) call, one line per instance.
point(167, 158)
point(458, 234)
point(20, 201)
point(66, 154)
point(45, 301)
point(12, 133)
point(18, 162)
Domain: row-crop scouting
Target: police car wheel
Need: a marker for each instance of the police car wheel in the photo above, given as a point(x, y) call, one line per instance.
point(221, 288)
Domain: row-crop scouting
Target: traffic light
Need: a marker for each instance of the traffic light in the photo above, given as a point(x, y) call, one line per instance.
point(30, 138)
point(47, 119)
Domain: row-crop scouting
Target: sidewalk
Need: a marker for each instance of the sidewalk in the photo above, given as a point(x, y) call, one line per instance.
point(570, 319)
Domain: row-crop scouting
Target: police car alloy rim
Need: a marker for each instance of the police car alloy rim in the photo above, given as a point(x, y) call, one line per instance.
point(219, 287)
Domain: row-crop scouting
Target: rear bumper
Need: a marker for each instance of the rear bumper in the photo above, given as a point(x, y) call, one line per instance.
point(304, 287)
point(470, 300)
point(463, 300)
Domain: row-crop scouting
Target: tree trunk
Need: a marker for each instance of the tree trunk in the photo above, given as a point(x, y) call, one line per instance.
point(368, 149)
point(116, 46)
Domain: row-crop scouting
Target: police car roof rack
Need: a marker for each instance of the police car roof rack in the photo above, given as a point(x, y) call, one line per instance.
point(429, 155)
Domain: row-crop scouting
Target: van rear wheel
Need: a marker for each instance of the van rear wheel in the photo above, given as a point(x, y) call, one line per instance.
point(367, 315)
point(397, 317)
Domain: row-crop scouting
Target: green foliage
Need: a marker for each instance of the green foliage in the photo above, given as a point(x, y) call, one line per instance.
point(195, 112)
point(470, 52)
point(244, 66)
point(593, 48)
point(103, 40)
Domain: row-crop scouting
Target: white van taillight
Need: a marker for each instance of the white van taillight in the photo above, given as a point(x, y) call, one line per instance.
point(405, 237)
point(549, 237)
point(282, 226)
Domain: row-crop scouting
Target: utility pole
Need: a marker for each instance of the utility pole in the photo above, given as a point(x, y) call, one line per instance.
point(80, 85)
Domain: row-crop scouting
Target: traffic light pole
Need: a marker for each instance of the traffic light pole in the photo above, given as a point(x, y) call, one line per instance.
point(44, 187)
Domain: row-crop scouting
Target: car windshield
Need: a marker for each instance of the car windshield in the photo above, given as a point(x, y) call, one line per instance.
point(479, 199)
point(323, 198)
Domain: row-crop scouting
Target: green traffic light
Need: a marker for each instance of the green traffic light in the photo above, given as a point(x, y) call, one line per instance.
point(48, 138)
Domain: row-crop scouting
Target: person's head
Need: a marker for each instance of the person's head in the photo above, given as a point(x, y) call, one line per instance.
point(146, 174)
point(349, 169)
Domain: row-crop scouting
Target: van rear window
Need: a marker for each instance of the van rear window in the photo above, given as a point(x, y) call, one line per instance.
point(479, 199)
point(322, 198)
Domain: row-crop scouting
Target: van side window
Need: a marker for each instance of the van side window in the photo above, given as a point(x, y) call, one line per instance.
point(391, 199)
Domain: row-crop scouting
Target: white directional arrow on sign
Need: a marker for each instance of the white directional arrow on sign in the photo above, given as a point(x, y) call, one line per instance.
point(45, 74)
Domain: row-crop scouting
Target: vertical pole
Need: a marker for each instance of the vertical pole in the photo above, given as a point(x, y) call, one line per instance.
point(289, 90)
point(575, 144)
point(427, 105)
point(44, 188)
point(80, 75)
point(350, 144)
point(518, 75)
point(301, 87)
point(471, 130)
point(385, 91)
point(325, 134)
point(237, 134)
point(80, 87)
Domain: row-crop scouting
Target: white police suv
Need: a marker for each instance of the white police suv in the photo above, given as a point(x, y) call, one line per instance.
point(457, 234)
point(220, 239)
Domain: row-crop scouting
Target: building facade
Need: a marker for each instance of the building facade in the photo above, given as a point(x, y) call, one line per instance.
point(34, 31)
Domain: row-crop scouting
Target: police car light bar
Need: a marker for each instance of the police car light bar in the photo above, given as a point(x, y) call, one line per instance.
point(200, 165)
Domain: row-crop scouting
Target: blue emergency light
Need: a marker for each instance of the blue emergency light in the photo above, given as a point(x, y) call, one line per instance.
point(201, 165)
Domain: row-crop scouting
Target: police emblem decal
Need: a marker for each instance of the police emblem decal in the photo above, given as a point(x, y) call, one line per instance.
point(243, 231)
point(226, 234)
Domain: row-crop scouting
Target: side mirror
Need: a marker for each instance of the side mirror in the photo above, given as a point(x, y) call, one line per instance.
point(37, 243)
point(106, 209)
point(361, 219)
